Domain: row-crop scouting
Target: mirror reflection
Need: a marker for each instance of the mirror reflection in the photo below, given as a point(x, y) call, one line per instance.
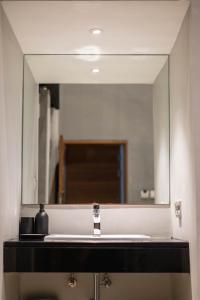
point(96, 129)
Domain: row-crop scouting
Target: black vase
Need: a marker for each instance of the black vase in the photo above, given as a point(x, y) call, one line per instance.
point(41, 221)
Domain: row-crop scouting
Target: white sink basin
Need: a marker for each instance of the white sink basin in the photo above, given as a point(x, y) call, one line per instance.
point(95, 238)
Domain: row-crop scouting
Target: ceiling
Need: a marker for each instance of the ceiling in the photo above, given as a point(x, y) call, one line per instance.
point(137, 69)
point(144, 27)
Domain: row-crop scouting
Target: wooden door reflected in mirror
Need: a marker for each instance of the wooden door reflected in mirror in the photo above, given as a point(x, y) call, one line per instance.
point(92, 171)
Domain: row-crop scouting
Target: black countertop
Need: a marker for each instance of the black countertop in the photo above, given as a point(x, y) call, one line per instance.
point(145, 256)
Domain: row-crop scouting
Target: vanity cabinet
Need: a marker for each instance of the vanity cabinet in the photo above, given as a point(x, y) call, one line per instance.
point(154, 256)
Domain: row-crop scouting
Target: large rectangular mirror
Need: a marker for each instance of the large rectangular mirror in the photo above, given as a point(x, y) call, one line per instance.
point(96, 129)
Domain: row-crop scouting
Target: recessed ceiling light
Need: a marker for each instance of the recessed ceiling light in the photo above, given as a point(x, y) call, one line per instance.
point(95, 70)
point(96, 31)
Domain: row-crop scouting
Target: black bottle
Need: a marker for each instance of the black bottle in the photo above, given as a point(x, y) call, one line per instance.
point(41, 221)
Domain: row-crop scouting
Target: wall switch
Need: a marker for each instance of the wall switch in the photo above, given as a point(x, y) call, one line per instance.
point(178, 210)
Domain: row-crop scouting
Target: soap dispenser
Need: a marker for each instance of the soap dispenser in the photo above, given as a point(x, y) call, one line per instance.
point(41, 221)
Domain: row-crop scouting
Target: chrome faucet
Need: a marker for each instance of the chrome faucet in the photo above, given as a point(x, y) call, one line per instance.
point(96, 218)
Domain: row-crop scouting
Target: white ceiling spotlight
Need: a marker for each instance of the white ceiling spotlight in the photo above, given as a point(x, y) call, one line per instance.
point(96, 31)
point(95, 70)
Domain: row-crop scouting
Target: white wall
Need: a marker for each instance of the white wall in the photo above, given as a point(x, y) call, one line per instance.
point(161, 135)
point(153, 221)
point(182, 156)
point(11, 70)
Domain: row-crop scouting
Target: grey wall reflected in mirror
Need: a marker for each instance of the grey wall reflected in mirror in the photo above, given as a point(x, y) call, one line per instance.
point(96, 136)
